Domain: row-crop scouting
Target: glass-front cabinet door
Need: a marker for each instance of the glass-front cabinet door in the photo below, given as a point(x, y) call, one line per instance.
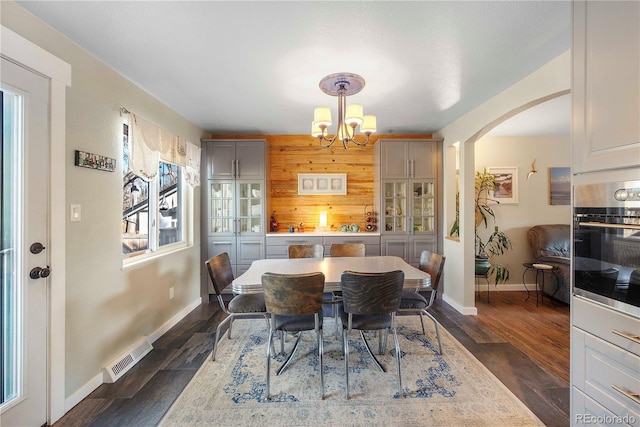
point(222, 212)
point(250, 209)
point(395, 206)
point(235, 207)
point(423, 203)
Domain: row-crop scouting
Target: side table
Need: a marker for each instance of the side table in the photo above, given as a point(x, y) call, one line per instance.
point(540, 269)
point(485, 277)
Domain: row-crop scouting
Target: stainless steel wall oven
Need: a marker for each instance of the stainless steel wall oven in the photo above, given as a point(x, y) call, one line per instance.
point(606, 244)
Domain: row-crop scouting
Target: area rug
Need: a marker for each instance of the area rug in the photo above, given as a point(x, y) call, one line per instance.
point(454, 389)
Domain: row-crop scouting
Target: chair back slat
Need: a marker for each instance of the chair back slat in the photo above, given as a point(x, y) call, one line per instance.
point(371, 293)
point(293, 294)
point(306, 251)
point(220, 271)
point(348, 249)
point(432, 263)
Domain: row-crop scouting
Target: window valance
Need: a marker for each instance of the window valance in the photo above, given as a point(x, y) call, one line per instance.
point(149, 144)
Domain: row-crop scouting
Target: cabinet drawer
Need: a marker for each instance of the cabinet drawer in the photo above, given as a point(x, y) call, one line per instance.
point(292, 239)
point(610, 325)
point(372, 243)
point(608, 374)
point(587, 411)
point(357, 238)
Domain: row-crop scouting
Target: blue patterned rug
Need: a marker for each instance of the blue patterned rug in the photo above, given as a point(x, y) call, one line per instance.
point(454, 389)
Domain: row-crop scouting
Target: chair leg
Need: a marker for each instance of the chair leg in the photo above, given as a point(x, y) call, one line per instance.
point(286, 362)
point(320, 352)
point(269, 347)
point(395, 339)
point(375, 360)
point(422, 323)
point(345, 348)
point(217, 337)
point(437, 330)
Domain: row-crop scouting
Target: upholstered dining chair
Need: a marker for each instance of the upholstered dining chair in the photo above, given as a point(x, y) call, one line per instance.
point(306, 251)
point(245, 305)
point(347, 249)
point(369, 303)
point(295, 304)
point(342, 250)
point(412, 302)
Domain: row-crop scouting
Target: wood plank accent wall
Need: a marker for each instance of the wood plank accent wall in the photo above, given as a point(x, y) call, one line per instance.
point(290, 155)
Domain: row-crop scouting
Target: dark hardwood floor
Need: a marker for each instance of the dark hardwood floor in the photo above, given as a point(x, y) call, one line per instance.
point(525, 346)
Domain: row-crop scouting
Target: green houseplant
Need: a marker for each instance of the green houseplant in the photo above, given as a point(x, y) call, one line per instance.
point(497, 243)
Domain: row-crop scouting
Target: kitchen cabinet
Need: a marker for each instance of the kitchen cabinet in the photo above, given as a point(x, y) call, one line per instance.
point(235, 159)
point(234, 198)
point(606, 85)
point(408, 158)
point(605, 368)
point(277, 244)
point(408, 177)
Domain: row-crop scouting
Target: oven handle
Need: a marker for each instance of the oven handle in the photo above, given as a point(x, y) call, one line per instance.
point(606, 225)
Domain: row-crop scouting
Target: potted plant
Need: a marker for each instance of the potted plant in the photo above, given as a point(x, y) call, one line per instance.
point(497, 243)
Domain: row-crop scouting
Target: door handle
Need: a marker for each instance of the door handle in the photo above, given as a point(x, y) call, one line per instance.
point(39, 273)
point(36, 248)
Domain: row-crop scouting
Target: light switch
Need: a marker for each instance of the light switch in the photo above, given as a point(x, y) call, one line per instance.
point(75, 213)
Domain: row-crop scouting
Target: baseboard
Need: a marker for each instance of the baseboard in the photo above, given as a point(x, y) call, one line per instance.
point(97, 381)
point(467, 311)
point(83, 392)
point(505, 287)
point(174, 320)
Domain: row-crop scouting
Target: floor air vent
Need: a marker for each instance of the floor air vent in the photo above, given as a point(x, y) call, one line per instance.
point(122, 364)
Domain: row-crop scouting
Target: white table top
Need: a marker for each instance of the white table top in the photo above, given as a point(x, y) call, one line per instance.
point(251, 280)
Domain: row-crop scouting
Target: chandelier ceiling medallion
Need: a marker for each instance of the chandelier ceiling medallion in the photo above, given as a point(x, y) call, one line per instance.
point(349, 116)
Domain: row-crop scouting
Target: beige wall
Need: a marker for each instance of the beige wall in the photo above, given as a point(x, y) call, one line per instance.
point(551, 80)
point(108, 307)
point(533, 206)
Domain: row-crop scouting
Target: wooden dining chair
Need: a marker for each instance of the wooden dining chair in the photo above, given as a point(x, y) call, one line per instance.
point(369, 303)
point(295, 304)
point(348, 249)
point(245, 305)
point(306, 251)
point(412, 302)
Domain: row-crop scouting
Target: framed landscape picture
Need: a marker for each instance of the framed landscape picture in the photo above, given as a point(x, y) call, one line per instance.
point(506, 191)
point(560, 186)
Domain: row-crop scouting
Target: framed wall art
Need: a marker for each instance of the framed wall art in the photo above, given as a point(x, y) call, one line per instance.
point(560, 186)
point(506, 191)
point(94, 161)
point(322, 183)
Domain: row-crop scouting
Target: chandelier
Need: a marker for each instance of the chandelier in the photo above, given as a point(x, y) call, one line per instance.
point(349, 117)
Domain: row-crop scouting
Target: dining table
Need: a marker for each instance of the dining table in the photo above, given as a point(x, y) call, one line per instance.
point(251, 280)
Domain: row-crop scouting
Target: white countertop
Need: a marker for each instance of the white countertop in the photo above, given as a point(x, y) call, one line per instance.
point(251, 280)
point(326, 233)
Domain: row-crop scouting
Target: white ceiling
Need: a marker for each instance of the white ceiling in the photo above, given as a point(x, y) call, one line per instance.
point(254, 67)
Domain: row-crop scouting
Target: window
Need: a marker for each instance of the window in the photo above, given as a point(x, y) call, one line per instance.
point(152, 212)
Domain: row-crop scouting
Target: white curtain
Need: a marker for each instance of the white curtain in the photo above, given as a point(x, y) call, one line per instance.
point(149, 144)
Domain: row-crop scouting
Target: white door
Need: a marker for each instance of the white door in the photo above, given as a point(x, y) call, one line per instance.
point(24, 171)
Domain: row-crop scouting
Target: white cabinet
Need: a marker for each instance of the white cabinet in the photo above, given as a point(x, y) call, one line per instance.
point(408, 158)
point(408, 179)
point(234, 198)
point(605, 363)
point(606, 85)
point(235, 159)
point(277, 244)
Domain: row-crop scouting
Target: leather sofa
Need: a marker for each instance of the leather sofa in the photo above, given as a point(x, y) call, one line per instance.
point(551, 244)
